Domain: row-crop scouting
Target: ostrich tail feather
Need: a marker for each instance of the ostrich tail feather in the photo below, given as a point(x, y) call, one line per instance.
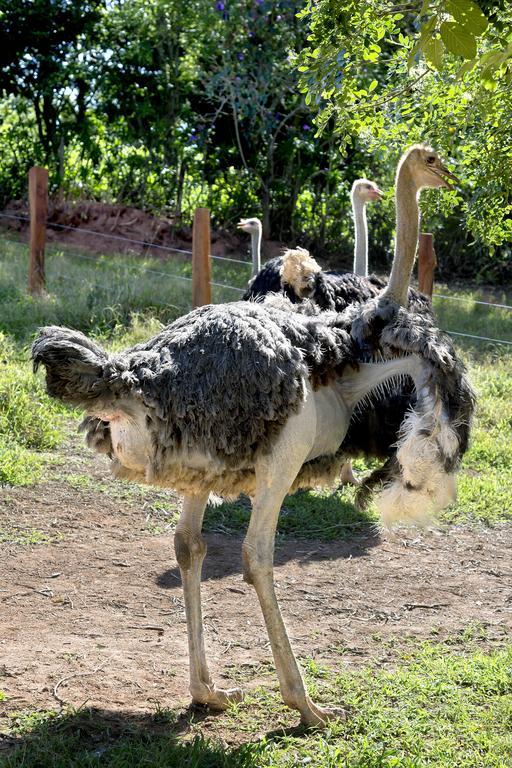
point(74, 365)
point(426, 454)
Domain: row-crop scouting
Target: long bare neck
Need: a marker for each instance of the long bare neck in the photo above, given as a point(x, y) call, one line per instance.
point(361, 237)
point(256, 251)
point(406, 243)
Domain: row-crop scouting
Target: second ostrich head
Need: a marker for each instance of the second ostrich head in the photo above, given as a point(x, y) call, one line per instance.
point(419, 167)
point(363, 191)
point(366, 191)
point(254, 228)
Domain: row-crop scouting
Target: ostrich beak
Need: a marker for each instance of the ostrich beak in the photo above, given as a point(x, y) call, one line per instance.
point(242, 224)
point(377, 194)
point(445, 174)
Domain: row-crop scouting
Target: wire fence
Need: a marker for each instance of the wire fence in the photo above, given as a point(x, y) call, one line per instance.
point(441, 300)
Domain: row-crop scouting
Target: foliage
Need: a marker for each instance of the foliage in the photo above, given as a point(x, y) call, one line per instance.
point(41, 64)
point(171, 104)
point(437, 71)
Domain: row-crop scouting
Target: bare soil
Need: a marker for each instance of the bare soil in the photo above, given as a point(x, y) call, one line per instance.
point(112, 228)
point(95, 615)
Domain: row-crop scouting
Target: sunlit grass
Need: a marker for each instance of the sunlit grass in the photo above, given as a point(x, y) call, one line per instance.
point(438, 707)
point(120, 303)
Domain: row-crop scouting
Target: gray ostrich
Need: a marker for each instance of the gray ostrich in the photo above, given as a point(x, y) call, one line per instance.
point(238, 397)
point(382, 328)
point(269, 279)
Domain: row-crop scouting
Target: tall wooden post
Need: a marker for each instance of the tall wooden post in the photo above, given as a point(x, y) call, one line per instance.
point(38, 201)
point(201, 269)
point(427, 262)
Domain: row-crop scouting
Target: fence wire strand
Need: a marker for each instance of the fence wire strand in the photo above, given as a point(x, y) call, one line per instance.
point(215, 284)
point(145, 243)
point(466, 299)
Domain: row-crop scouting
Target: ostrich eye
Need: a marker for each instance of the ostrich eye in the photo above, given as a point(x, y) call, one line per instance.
point(431, 160)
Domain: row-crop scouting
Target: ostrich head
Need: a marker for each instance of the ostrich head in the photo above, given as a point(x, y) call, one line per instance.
point(299, 270)
point(365, 191)
point(251, 226)
point(426, 168)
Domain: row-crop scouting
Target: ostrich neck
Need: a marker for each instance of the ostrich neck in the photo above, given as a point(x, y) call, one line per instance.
point(361, 238)
point(256, 251)
point(406, 241)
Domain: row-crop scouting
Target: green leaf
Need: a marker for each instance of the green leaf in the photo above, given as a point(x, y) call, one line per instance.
point(458, 40)
point(372, 86)
point(468, 14)
point(433, 50)
point(493, 59)
point(466, 67)
point(414, 51)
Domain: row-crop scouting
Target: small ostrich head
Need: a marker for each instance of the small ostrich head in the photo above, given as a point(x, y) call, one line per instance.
point(299, 270)
point(251, 226)
point(366, 191)
point(426, 168)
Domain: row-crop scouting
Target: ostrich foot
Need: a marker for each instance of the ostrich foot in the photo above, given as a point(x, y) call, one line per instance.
point(216, 698)
point(312, 715)
point(347, 476)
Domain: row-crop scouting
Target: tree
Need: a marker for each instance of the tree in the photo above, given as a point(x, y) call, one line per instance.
point(389, 74)
point(43, 42)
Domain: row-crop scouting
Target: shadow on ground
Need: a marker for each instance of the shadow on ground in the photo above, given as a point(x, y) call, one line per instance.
point(305, 516)
point(94, 737)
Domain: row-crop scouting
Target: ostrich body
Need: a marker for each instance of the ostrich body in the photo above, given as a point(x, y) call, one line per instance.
point(332, 294)
point(254, 228)
point(237, 397)
point(383, 329)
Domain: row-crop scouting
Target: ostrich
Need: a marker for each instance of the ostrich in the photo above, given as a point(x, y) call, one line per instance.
point(362, 192)
point(270, 278)
point(382, 329)
point(254, 228)
point(250, 397)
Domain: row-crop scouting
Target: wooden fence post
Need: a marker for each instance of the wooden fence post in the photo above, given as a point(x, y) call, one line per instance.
point(38, 201)
point(427, 262)
point(201, 269)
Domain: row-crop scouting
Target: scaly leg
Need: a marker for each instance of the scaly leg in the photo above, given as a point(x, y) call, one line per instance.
point(274, 476)
point(190, 549)
point(347, 476)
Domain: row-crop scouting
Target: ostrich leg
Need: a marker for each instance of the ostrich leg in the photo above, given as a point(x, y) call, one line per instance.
point(190, 549)
point(274, 476)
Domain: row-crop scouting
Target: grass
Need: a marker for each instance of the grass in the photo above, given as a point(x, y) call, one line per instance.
point(23, 537)
point(435, 708)
point(442, 705)
point(99, 294)
point(120, 302)
point(29, 420)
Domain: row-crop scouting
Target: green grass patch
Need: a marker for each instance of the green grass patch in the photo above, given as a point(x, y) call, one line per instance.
point(436, 708)
point(99, 294)
point(485, 481)
point(23, 537)
point(30, 422)
point(121, 300)
point(314, 514)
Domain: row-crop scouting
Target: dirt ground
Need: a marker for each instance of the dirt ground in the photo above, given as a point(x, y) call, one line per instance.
point(95, 615)
point(126, 230)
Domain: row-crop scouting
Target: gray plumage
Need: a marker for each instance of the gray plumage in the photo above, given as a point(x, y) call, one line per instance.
point(221, 380)
point(383, 329)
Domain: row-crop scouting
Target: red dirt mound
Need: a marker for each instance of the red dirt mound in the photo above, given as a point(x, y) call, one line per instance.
point(111, 228)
